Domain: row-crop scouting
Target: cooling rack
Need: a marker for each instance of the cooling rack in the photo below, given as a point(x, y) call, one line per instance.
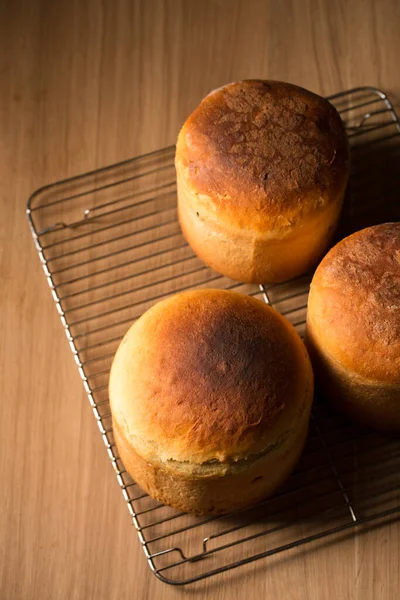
point(110, 246)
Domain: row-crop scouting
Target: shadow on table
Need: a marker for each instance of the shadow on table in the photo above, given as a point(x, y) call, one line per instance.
point(373, 195)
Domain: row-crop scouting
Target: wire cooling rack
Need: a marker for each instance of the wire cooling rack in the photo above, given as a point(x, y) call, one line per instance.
point(110, 246)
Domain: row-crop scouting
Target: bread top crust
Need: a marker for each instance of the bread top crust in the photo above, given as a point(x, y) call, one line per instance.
point(209, 375)
point(263, 154)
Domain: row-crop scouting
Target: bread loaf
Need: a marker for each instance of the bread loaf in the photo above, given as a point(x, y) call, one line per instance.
point(210, 395)
point(262, 168)
point(353, 326)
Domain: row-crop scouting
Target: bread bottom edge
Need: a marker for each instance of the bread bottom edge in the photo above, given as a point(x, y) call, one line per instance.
point(252, 258)
point(213, 495)
point(372, 404)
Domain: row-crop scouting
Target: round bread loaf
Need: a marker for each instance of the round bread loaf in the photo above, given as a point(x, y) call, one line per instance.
point(353, 326)
point(262, 168)
point(210, 394)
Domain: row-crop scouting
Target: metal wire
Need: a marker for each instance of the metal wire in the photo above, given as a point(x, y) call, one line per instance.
point(93, 234)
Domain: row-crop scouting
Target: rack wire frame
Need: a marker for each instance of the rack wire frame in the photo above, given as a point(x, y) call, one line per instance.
point(93, 234)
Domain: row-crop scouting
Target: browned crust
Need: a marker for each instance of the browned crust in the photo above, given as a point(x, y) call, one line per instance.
point(354, 303)
point(209, 375)
point(263, 154)
point(213, 494)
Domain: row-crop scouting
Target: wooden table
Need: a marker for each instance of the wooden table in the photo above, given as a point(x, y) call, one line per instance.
point(84, 84)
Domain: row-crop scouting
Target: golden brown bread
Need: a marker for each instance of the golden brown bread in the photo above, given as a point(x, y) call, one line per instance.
point(262, 168)
point(353, 325)
point(208, 387)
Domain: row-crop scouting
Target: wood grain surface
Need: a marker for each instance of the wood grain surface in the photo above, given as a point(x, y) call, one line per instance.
point(84, 84)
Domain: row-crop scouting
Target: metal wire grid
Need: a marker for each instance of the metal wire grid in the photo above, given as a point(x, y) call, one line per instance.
point(110, 247)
